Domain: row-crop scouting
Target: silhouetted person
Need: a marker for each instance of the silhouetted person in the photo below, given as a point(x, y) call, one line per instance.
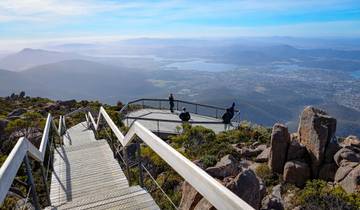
point(232, 110)
point(227, 119)
point(171, 101)
point(184, 115)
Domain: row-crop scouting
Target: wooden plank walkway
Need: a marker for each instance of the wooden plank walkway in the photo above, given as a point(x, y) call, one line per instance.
point(86, 176)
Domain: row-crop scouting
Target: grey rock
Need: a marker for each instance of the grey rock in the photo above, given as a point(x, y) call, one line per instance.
point(352, 141)
point(348, 153)
point(16, 112)
point(351, 183)
point(344, 170)
point(296, 151)
point(296, 172)
point(316, 130)
point(280, 139)
point(246, 185)
point(327, 172)
point(227, 166)
point(263, 156)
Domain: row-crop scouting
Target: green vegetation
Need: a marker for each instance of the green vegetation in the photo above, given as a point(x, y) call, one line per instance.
point(317, 194)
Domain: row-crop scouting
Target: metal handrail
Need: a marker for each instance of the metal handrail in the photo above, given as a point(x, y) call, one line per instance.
point(217, 194)
point(20, 152)
point(237, 112)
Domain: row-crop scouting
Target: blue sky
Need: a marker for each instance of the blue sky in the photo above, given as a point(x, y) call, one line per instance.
point(39, 20)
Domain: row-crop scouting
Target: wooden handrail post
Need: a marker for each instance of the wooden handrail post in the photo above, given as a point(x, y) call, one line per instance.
point(31, 183)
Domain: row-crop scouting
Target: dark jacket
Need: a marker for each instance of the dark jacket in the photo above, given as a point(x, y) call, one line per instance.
point(171, 99)
point(227, 117)
point(185, 116)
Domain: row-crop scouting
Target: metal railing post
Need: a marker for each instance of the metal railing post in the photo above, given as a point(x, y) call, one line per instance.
point(142, 103)
point(141, 176)
point(216, 113)
point(196, 108)
point(45, 183)
point(126, 159)
point(159, 104)
point(158, 127)
point(177, 105)
point(31, 183)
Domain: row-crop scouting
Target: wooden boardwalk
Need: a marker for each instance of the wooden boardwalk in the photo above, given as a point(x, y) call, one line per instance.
point(86, 176)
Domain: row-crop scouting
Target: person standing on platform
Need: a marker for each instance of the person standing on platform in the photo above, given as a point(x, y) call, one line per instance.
point(227, 119)
point(171, 101)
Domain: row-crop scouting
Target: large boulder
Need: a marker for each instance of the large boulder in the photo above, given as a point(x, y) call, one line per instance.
point(68, 103)
point(327, 172)
point(273, 201)
point(263, 156)
point(16, 112)
point(296, 151)
point(296, 172)
point(227, 166)
point(248, 152)
point(280, 139)
point(352, 141)
point(331, 149)
point(344, 169)
point(247, 186)
point(351, 183)
point(316, 130)
point(190, 197)
point(347, 154)
point(204, 205)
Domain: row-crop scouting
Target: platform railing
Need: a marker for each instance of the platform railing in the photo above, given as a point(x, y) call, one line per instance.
point(217, 194)
point(192, 107)
point(21, 152)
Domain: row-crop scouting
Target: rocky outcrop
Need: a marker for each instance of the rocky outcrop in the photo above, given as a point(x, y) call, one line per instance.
point(316, 130)
point(204, 205)
point(296, 151)
point(190, 197)
point(274, 200)
point(351, 183)
point(16, 112)
point(344, 169)
point(263, 156)
point(280, 139)
point(331, 149)
point(352, 141)
point(246, 185)
point(327, 172)
point(68, 103)
point(227, 166)
point(347, 154)
point(296, 172)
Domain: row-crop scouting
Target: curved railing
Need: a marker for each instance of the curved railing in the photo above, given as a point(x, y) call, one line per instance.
point(196, 108)
point(217, 194)
point(20, 153)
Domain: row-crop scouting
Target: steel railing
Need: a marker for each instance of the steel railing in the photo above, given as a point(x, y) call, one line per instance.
point(217, 194)
point(192, 107)
point(21, 152)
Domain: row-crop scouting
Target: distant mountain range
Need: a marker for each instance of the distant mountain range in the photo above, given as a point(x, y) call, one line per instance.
point(28, 58)
point(271, 82)
point(78, 79)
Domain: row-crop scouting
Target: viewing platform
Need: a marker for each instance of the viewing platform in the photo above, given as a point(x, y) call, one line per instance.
point(155, 115)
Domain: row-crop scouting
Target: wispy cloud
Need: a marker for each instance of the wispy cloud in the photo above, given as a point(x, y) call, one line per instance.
point(57, 19)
